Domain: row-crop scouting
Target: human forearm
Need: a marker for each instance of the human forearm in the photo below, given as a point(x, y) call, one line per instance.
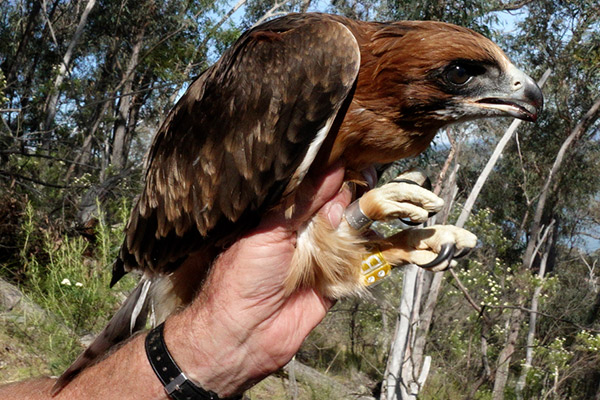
point(127, 374)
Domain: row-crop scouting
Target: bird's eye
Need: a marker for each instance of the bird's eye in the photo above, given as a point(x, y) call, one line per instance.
point(458, 75)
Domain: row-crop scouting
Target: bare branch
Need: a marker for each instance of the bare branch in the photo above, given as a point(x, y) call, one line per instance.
point(39, 182)
point(465, 291)
point(48, 157)
point(513, 6)
point(588, 119)
point(543, 314)
point(453, 151)
point(541, 241)
point(272, 12)
point(45, 14)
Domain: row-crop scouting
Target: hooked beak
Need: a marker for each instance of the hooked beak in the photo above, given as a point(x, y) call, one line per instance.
point(520, 98)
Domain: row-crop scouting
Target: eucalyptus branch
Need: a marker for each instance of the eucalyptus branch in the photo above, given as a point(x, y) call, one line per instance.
point(38, 181)
point(272, 12)
point(543, 314)
point(453, 152)
point(481, 309)
point(543, 235)
point(465, 291)
point(523, 171)
point(45, 15)
point(513, 6)
point(48, 157)
point(133, 92)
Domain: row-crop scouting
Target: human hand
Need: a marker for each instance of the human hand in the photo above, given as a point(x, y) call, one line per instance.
point(242, 326)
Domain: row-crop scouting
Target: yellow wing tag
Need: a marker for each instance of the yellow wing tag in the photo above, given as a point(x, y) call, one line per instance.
point(374, 268)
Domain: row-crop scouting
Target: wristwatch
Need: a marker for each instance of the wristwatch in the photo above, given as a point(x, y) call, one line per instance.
point(177, 385)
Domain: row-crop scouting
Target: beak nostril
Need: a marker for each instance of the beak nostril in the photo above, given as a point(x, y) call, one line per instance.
point(517, 85)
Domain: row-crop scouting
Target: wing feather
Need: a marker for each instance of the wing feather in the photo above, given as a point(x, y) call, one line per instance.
point(231, 145)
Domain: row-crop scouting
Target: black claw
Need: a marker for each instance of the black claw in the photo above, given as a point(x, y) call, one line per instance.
point(404, 181)
point(410, 222)
point(462, 252)
point(446, 254)
point(426, 185)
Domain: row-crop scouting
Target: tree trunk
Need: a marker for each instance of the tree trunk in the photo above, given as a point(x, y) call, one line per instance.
point(120, 139)
point(588, 119)
point(533, 315)
point(84, 154)
point(11, 69)
point(503, 364)
point(52, 101)
point(434, 284)
point(394, 388)
point(292, 383)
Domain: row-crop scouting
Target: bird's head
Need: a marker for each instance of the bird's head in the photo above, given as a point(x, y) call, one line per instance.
point(439, 73)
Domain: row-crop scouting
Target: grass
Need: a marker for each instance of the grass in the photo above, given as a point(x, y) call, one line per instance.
point(68, 278)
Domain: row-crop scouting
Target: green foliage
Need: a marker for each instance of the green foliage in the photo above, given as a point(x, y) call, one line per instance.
point(225, 38)
point(588, 342)
point(475, 14)
point(68, 278)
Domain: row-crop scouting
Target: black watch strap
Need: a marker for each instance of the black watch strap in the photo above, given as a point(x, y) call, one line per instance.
point(176, 383)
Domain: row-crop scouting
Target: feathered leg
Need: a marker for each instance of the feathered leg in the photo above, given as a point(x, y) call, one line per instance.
point(330, 259)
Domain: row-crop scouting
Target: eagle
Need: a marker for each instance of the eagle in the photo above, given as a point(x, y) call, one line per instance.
point(290, 97)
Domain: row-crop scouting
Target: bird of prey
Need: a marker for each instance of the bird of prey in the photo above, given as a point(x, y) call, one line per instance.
point(291, 96)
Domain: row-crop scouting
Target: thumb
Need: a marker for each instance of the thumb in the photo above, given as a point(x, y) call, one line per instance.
point(316, 191)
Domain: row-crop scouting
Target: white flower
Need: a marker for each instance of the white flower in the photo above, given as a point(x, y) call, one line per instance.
point(79, 284)
point(66, 282)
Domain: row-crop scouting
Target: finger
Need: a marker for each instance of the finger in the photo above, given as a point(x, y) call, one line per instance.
point(305, 201)
point(334, 209)
point(315, 191)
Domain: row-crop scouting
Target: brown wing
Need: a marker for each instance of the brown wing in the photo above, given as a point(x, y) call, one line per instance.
point(234, 141)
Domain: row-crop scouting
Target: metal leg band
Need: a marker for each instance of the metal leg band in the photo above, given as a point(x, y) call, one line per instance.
point(356, 218)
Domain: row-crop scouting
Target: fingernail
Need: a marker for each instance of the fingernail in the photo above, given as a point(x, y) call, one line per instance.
point(335, 214)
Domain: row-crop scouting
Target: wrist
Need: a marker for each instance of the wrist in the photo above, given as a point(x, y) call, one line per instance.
point(208, 353)
point(176, 383)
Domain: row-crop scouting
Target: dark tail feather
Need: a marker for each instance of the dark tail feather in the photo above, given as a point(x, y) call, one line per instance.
point(130, 318)
point(118, 271)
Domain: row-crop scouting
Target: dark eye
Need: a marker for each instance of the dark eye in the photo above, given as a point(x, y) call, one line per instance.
point(458, 75)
